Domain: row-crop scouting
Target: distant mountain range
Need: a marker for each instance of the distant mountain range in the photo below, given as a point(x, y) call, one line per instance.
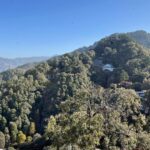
point(142, 37)
point(6, 63)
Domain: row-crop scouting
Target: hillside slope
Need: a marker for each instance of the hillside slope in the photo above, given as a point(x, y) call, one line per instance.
point(81, 100)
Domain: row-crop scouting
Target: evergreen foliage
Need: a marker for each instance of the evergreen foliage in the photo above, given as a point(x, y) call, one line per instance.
point(71, 102)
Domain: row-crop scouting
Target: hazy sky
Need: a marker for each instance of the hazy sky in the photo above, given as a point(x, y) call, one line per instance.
point(49, 27)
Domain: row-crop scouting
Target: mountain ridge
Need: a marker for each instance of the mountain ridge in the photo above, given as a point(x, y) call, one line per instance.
point(11, 63)
point(140, 36)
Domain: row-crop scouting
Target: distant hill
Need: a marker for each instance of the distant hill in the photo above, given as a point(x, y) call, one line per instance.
point(141, 36)
point(6, 63)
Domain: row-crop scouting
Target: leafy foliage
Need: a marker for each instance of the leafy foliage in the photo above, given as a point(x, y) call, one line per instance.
point(72, 102)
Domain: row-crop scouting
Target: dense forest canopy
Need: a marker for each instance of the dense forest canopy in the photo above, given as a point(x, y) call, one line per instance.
point(82, 100)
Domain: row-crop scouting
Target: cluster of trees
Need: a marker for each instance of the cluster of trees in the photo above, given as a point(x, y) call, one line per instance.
point(67, 102)
point(111, 119)
point(130, 60)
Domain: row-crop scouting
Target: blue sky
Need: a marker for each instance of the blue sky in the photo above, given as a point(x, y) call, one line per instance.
point(49, 27)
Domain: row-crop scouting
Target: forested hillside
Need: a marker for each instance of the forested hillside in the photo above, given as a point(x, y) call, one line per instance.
point(82, 100)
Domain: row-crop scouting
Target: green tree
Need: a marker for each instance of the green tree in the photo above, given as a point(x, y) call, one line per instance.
point(21, 137)
point(2, 140)
point(32, 128)
point(13, 131)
